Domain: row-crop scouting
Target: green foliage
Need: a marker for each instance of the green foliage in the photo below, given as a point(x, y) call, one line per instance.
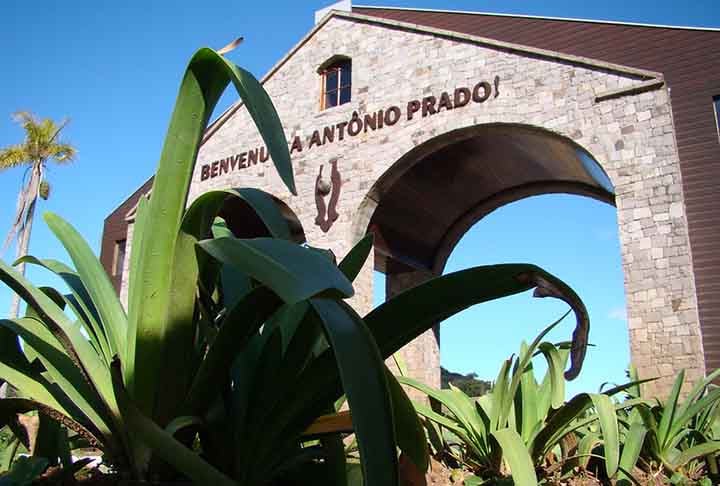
point(233, 345)
point(521, 424)
point(24, 471)
point(680, 433)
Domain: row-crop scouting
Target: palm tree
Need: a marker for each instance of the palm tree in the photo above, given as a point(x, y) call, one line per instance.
point(41, 145)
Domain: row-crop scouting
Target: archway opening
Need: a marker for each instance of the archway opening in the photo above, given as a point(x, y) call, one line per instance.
point(244, 222)
point(572, 237)
point(423, 205)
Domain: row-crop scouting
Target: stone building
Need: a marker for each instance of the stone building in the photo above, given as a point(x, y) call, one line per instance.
point(415, 124)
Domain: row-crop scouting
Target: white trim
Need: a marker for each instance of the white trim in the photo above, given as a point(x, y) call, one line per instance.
point(541, 17)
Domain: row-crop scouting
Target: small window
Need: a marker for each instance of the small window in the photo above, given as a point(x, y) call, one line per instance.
point(716, 102)
point(119, 257)
point(336, 83)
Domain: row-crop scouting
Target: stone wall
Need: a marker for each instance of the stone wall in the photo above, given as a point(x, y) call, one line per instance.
point(631, 136)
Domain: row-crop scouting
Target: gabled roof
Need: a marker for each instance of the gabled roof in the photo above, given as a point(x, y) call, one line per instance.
point(362, 8)
point(650, 79)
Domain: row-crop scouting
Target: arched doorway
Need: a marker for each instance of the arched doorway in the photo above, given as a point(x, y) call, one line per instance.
point(244, 222)
point(420, 208)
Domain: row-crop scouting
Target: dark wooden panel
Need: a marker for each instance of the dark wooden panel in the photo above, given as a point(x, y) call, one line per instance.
point(115, 229)
point(690, 61)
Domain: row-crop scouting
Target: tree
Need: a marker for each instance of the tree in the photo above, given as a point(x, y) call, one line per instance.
point(40, 146)
point(469, 384)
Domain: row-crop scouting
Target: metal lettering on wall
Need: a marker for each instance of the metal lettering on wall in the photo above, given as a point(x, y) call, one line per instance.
point(327, 214)
point(370, 122)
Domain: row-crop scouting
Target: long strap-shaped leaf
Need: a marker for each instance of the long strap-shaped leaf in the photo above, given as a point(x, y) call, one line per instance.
point(607, 419)
point(203, 210)
point(82, 305)
point(632, 445)
point(95, 280)
point(240, 323)
point(363, 379)
point(457, 404)
point(700, 450)
point(522, 362)
point(408, 428)
point(62, 370)
point(77, 347)
point(162, 442)
point(410, 313)
point(205, 79)
point(294, 273)
point(196, 224)
point(362, 373)
point(12, 406)
point(516, 455)
point(669, 411)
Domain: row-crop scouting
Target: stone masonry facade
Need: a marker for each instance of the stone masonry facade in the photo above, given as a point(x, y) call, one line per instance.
point(630, 135)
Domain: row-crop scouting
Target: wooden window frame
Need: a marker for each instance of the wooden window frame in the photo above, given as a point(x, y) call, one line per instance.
point(343, 68)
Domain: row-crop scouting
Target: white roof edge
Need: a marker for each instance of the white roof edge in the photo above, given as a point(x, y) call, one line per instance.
point(541, 17)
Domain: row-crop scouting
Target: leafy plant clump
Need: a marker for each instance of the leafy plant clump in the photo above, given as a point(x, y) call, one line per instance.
point(682, 439)
point(523, 428)
point(226, 366)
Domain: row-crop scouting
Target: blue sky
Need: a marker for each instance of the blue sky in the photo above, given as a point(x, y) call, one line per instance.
point(114, 69)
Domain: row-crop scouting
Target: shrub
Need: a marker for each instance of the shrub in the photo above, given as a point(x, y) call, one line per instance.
point(232, 345)
point(523, 425)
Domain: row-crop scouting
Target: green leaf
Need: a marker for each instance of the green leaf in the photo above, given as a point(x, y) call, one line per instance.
point(203, 210)
point(24, 471)
point(459, 405)
point(182, 422)
point(363, 378)
point(526, 401)
point(522, 362)
point(695, 452)
point(62, 370)
point(408, 429)
point(632, 446)
point(134, 294)
point(699, 388)
point(362, 372)
point(95, 280)
point(668, 415)
point(10, 407)
point(50, 436)
point(205, 79)
point(238, 326)
point(74, 344)
point(163, 443)
point(82, 303)
point(449, 423)
point(585, 447)
point(683, 415)
point(517, 457)
point(293, 272)
point(197, 222)
point(555, 369)
point(410, 313)
point(609, 427)
point(356, 257)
